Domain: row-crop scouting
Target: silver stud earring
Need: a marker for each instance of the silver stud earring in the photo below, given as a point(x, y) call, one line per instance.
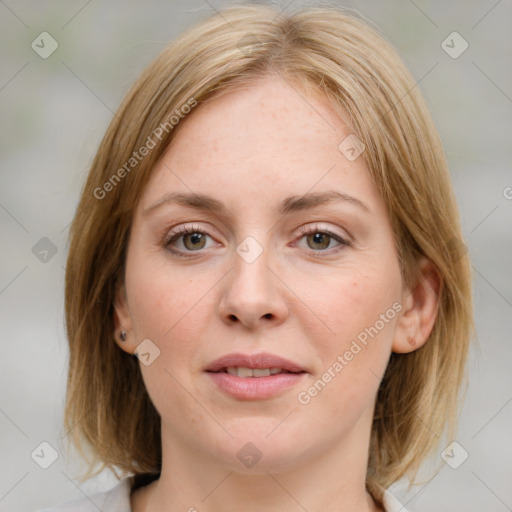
point(122, 335)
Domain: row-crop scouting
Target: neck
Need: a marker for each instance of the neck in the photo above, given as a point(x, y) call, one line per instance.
point(331, 481)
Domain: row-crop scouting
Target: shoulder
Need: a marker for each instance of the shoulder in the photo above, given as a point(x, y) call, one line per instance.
point(116, 499)
point(391, 504)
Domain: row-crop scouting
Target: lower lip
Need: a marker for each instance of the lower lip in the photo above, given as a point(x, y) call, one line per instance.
point(255, 388)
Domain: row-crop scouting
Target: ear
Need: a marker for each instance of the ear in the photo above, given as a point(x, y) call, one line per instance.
point(420, 308)
point(122, 320)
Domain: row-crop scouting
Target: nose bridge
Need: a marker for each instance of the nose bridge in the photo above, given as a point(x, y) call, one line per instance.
point(250, 269)
point(252, 292)
point(251, 262)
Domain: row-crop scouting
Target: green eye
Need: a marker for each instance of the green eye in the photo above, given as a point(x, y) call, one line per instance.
point(194, 240)
point(189, 240)
point(319, 241)
point(322, 240)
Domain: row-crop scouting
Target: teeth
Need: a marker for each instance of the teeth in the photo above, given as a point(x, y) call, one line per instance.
point(261, 372)
point(244, 372)
point(240, 371)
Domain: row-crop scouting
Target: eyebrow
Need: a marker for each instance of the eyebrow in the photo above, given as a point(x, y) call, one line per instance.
point(288, 205)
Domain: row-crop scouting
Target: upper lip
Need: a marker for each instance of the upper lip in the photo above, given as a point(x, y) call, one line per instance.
point(261, 361)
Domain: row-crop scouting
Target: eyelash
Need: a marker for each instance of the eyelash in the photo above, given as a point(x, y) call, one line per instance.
point(173, 236)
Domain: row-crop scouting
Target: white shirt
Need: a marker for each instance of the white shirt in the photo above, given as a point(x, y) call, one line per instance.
point(118, 500)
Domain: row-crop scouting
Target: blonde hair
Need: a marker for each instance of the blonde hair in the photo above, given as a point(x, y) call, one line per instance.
point(321, 49)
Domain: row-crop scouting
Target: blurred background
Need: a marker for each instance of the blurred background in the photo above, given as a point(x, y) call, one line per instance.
point(65, 66)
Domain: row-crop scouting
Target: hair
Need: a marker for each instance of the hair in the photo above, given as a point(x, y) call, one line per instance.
point(319, 49)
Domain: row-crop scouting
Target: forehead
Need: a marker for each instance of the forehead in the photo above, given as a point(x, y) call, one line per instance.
point(269, 110)
point(268, 139)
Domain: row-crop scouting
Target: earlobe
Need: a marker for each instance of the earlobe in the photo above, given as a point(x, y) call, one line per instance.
point(420, 308)
point(122, 321)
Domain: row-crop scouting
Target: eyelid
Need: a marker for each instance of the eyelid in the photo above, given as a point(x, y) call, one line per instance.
point(316, 227)
point(185, 229)
point(173, 234)
point(176, 233)
point(343, 241)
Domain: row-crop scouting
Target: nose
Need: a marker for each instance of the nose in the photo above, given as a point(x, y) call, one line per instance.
point(253, 294)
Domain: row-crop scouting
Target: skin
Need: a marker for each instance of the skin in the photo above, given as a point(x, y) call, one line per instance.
point(250, 149)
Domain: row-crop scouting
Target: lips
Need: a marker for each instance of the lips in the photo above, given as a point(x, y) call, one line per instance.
point(254, 377)
point(255, 362)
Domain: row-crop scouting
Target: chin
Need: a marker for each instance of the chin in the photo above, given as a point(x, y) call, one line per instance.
point(260, 450)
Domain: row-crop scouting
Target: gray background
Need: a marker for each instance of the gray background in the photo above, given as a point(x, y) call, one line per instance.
point(54, 112)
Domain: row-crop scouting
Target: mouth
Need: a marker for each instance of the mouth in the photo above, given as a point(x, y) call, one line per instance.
point(245, 372)
point(255, 376)
point(244, 363)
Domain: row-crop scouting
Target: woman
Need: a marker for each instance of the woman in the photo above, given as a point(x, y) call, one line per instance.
point(268, 302)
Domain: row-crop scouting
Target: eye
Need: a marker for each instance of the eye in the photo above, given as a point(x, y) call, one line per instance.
point(194, 241)
point(320, 240)
point(188, 239)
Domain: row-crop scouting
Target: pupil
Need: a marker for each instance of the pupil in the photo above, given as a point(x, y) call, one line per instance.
point(320, 239)
point(195, 240)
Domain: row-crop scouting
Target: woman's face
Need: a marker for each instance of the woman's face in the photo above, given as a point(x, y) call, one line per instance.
point(278, 246)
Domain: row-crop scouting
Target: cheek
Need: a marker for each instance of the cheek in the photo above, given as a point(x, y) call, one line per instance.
point(351, 302)
point(164, 302)
point(166, 308)
point(360, 309)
